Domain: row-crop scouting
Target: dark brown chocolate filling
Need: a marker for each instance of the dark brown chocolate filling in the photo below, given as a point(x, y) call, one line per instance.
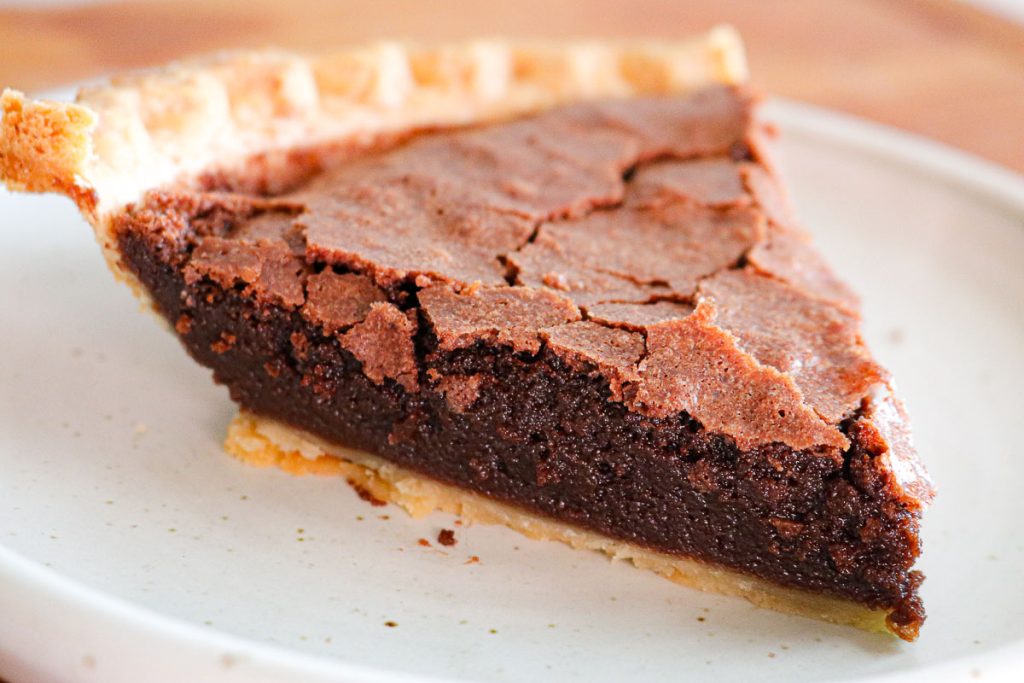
point(534, 431)
point(547, 438)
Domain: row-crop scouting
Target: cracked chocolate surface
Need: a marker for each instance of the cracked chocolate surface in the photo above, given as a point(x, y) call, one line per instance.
point(434, 302)
point(504, 228)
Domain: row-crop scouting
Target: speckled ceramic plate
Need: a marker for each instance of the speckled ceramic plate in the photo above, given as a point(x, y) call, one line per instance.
point(132, 548)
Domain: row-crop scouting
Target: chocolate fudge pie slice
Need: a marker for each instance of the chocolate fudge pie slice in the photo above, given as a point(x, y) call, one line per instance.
point(554, 287)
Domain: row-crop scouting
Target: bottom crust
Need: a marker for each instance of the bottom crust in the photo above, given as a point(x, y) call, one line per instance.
point(263, 442)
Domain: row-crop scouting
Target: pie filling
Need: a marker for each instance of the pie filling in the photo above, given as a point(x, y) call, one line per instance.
point(602, 313)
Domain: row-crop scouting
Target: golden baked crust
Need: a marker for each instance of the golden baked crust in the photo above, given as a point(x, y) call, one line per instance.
point(171, 126)
point(144, 130)
point(266, 443)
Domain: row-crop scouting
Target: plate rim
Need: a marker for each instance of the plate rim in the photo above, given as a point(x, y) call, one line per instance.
point(19, 574)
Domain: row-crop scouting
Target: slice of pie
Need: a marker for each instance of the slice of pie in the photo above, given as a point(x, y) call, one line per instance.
point(554, 287)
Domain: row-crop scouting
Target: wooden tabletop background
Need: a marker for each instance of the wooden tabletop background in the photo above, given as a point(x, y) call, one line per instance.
point(935, 67)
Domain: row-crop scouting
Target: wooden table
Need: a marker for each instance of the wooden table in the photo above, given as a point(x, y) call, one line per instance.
point(935, 67)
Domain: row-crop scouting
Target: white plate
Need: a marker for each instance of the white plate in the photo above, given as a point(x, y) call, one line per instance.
point(132, 548)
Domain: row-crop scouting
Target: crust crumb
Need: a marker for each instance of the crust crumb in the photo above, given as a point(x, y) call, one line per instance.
point(446, 537)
